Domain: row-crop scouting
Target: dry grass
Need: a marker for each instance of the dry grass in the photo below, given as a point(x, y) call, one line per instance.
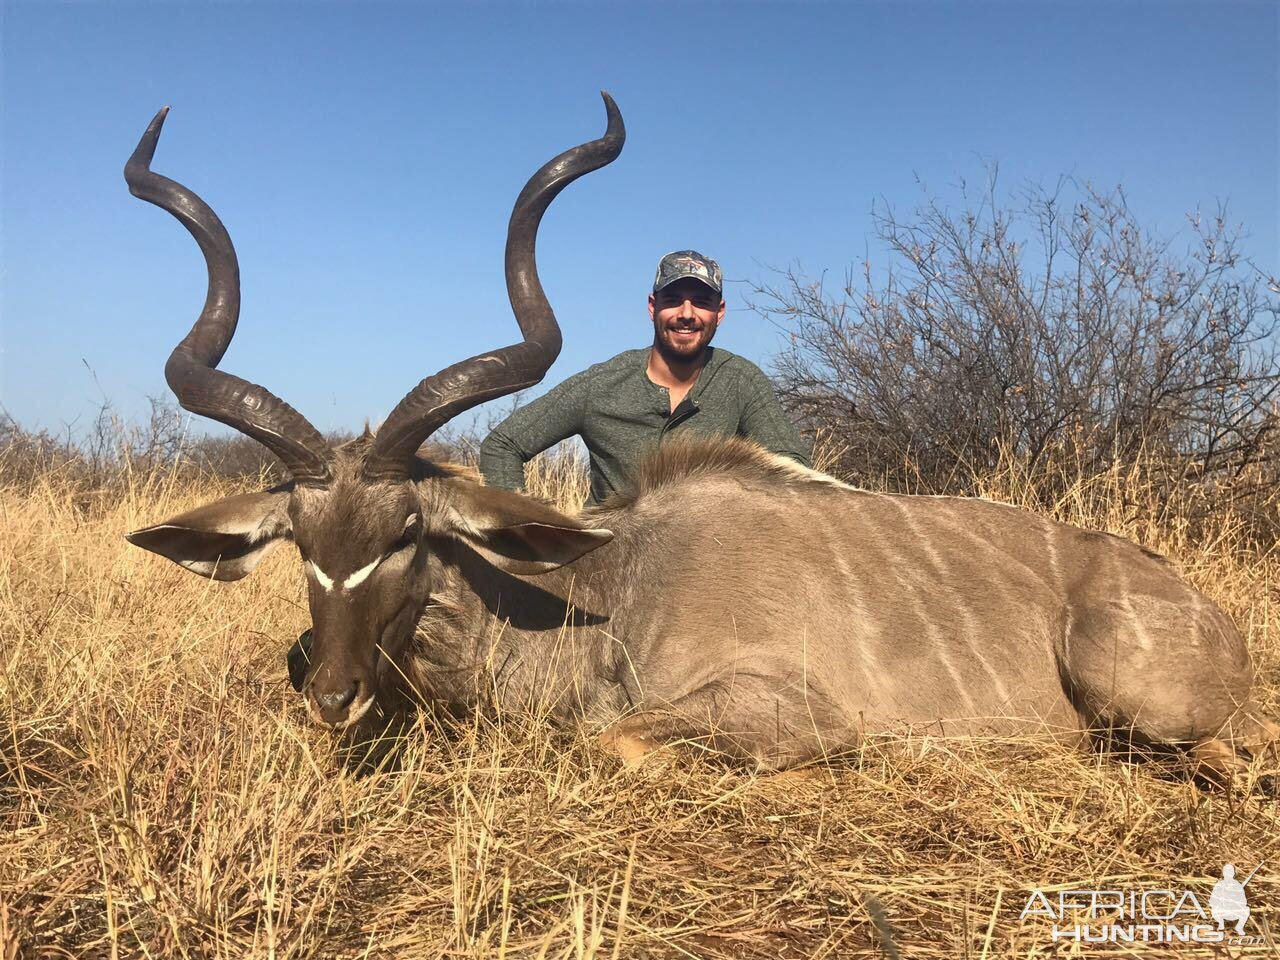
point(162, 793)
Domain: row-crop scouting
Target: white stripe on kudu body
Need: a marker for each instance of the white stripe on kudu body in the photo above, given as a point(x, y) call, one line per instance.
point(968, 632)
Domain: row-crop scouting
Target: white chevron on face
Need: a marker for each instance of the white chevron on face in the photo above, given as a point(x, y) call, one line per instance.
point(322, 578)
point(350, 583)
point(359, 576)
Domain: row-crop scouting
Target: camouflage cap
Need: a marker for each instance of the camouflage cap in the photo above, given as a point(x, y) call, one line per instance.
point(688, 263)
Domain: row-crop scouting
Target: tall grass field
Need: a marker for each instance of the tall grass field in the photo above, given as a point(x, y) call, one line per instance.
point(164, 794)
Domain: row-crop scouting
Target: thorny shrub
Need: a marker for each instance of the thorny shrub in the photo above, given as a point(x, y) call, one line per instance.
point(1058, 333)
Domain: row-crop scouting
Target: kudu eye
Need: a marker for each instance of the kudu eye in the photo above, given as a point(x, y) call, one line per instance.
point(410, 536)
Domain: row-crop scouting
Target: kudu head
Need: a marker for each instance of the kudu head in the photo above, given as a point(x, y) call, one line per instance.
point(365, 516)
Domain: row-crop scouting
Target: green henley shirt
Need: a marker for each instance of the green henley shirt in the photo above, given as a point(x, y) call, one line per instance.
point(620, 414)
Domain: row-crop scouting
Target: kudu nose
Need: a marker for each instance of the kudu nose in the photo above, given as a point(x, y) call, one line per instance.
point(333, 704)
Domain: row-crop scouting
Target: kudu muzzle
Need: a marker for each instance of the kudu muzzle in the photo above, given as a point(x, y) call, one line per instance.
point(351, 658)
point(341, 684)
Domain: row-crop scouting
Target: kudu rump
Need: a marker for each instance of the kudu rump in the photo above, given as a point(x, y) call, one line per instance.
point(733, 599)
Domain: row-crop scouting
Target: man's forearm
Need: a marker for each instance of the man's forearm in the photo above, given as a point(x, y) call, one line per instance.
point(788, 443)
point(768, 424)
point(530, 430)
point(501, 462)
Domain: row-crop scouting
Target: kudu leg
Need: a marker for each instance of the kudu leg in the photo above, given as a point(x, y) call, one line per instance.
point(633, 738)
point(1249, 742)
point(748, 719)
point(629, 739)
point(1216, 761)
point(1256, 734)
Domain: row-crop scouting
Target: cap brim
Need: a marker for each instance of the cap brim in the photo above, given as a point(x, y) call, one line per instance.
point(688, 276)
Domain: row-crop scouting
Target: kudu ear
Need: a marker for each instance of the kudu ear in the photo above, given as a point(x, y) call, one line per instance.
point(224, 539)
point(515, 533)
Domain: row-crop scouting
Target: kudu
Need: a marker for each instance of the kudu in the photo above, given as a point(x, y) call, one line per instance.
point(733, 599)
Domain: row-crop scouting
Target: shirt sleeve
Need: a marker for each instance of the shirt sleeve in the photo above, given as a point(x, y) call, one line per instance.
point(764, 420)
point(531, 429)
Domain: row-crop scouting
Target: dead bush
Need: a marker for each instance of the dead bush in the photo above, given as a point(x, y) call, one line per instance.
point(1056, 331)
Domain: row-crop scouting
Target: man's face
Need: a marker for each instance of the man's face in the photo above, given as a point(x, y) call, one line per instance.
point(685, 316)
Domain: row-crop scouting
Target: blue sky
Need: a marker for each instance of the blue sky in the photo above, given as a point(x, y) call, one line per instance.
point(365, 157)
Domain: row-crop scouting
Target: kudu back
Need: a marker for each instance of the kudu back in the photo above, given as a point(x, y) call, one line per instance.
point(733, 600)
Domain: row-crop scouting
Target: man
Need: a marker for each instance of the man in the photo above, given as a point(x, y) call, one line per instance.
point(626, 406)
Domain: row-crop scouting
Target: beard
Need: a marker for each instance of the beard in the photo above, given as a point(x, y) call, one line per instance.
point(682, 349)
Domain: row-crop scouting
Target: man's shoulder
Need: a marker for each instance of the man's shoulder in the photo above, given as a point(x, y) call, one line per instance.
point(607, 370)
point(628, 363)
point(626, 360)
point(721, 355)
point(727, 362)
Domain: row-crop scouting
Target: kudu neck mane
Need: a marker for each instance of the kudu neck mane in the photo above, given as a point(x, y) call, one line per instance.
point(697, 458)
